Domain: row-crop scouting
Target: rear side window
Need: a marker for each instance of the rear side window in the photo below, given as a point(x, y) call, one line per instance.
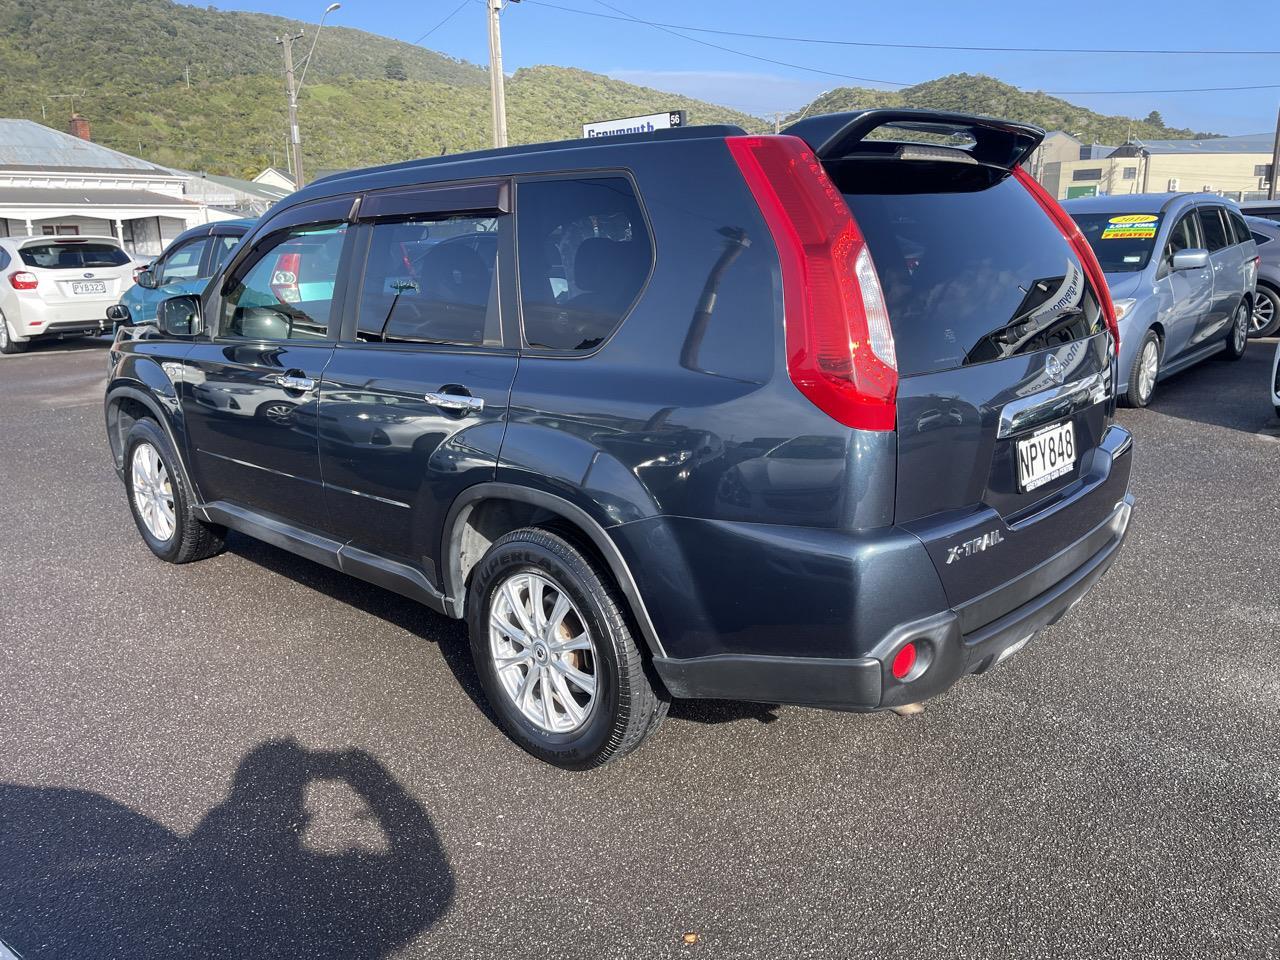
point(73, 256)
point(1238, 225)
point(286, 292)
point(585, 254)
point(222, 247)
point(431, 281)
point(972, 275)
point(1213, 228)
point(1258, 238)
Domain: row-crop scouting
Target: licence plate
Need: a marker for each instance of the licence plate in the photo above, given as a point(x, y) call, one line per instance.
point(81, 287)
point(1046, 455)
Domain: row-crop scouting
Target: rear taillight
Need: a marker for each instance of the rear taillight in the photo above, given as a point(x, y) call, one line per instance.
point(23, 280)
point(284, 279)
point(1084, 252)
point(840, 351)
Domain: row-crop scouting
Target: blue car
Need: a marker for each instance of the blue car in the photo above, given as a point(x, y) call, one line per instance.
point(185, 267)
point(1182, 269)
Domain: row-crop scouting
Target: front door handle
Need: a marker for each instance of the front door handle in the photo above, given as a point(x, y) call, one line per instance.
point(291, 382)
point(455, 401)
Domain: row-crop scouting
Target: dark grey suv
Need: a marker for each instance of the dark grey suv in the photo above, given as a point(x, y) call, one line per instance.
point(821, 418)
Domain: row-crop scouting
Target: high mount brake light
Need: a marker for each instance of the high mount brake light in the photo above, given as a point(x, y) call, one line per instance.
point(1092, 269)
point(840, 351)
point(22, 280)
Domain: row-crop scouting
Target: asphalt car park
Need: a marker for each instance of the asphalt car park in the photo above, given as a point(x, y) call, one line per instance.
point(260, 757)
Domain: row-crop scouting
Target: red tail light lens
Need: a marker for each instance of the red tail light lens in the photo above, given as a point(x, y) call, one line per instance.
point(840, 351)
point(284, 279)
point(22, 280)
point(1092, 269)
point(904, 661)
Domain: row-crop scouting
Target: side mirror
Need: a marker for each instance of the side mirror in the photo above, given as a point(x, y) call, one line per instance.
point(1193, 259)
point(147, 279)
point(179, 316)
point(119, 315)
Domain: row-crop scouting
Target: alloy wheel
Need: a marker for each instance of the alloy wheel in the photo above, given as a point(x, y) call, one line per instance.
point(1148, 369)
point(1264, 312)
point(153, 492)
point(1241, 332)
point(543, 652)
point(4, 332)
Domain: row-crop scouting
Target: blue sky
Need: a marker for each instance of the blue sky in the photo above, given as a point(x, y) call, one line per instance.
point(535, 33)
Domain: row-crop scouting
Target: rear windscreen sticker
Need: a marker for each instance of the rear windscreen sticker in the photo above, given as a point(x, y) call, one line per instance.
point(1130, 231)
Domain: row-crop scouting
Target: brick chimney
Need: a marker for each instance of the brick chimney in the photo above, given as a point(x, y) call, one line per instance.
point(79, 127)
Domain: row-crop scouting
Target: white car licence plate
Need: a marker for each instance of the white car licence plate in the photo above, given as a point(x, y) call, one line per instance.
point(1046, 455)
point(83, 287)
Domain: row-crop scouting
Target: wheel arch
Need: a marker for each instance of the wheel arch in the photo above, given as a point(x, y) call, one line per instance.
point(125, 405)
point(486, 511)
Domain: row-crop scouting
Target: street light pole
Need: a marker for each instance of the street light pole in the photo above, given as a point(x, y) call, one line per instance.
point(497, 89)
point(292, 89)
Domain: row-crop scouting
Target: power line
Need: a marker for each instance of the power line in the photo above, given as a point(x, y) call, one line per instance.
point(740, 53)
point(912, 46)
point(673, 31)
point(456, 11)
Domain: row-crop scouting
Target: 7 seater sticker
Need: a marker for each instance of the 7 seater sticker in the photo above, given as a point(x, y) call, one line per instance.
point(1131, 226)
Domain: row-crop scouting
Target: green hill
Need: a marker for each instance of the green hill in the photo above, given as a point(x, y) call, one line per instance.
point(975, 93)
point(368, 99)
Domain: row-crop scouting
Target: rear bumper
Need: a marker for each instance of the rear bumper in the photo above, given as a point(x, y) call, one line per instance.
point(34, 318)
point(866, 683)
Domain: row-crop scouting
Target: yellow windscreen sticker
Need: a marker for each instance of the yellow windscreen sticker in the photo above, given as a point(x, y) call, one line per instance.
point(1135, 218)
point(1140, 231)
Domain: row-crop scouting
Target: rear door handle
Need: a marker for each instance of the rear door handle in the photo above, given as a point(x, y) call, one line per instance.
point(455, 401)
point(291, 382)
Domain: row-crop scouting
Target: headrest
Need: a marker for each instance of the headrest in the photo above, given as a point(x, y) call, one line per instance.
point(602, 264)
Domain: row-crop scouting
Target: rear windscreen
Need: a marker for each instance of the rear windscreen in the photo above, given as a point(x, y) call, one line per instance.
point(969, 275)
point(73, 256)
point(1122, 241)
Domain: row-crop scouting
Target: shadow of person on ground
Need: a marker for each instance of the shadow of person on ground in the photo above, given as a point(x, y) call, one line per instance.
point(82, 876)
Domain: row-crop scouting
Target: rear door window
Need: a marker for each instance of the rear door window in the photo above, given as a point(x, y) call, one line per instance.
point(432, 281)
point(184, 262)
point(1238, 225)
point(585, 254)
point(222, 247)
point(972, 275)
point(73, 256)
point(1213, 228)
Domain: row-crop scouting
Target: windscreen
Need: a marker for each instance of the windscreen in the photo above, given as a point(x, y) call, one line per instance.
point(72, 256)
point(970, 275)
point(1122, 241)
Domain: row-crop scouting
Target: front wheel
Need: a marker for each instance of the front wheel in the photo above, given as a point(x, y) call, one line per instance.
point(1266, 313)
point(555, 654)
point(161, 503)
point(1238, 335)
point(1144, 373)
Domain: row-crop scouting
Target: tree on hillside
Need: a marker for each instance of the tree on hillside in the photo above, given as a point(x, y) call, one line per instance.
point(395, 69)
point(1155, 119)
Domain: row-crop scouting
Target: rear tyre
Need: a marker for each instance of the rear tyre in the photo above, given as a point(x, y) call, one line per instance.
point(1238, 334)
point(1144, 372)
point(1266, 313)
point(555, 653)
point(8, 345)
point(162, 504)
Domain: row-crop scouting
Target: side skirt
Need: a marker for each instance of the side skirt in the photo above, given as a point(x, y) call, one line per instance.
point(389, 574)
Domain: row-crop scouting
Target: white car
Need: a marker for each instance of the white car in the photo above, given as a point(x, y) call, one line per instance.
point(54, 287)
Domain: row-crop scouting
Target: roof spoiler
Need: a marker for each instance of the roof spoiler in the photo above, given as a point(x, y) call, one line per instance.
point(999, 143)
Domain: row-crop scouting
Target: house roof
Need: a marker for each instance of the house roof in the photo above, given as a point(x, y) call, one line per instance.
point(262, 190)
point(25, 144)
point(1249, 143)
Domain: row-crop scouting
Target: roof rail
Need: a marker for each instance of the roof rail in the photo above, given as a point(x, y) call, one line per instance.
point(1000, 143)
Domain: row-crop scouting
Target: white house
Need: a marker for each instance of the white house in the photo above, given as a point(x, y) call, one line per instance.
point(56, 183)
